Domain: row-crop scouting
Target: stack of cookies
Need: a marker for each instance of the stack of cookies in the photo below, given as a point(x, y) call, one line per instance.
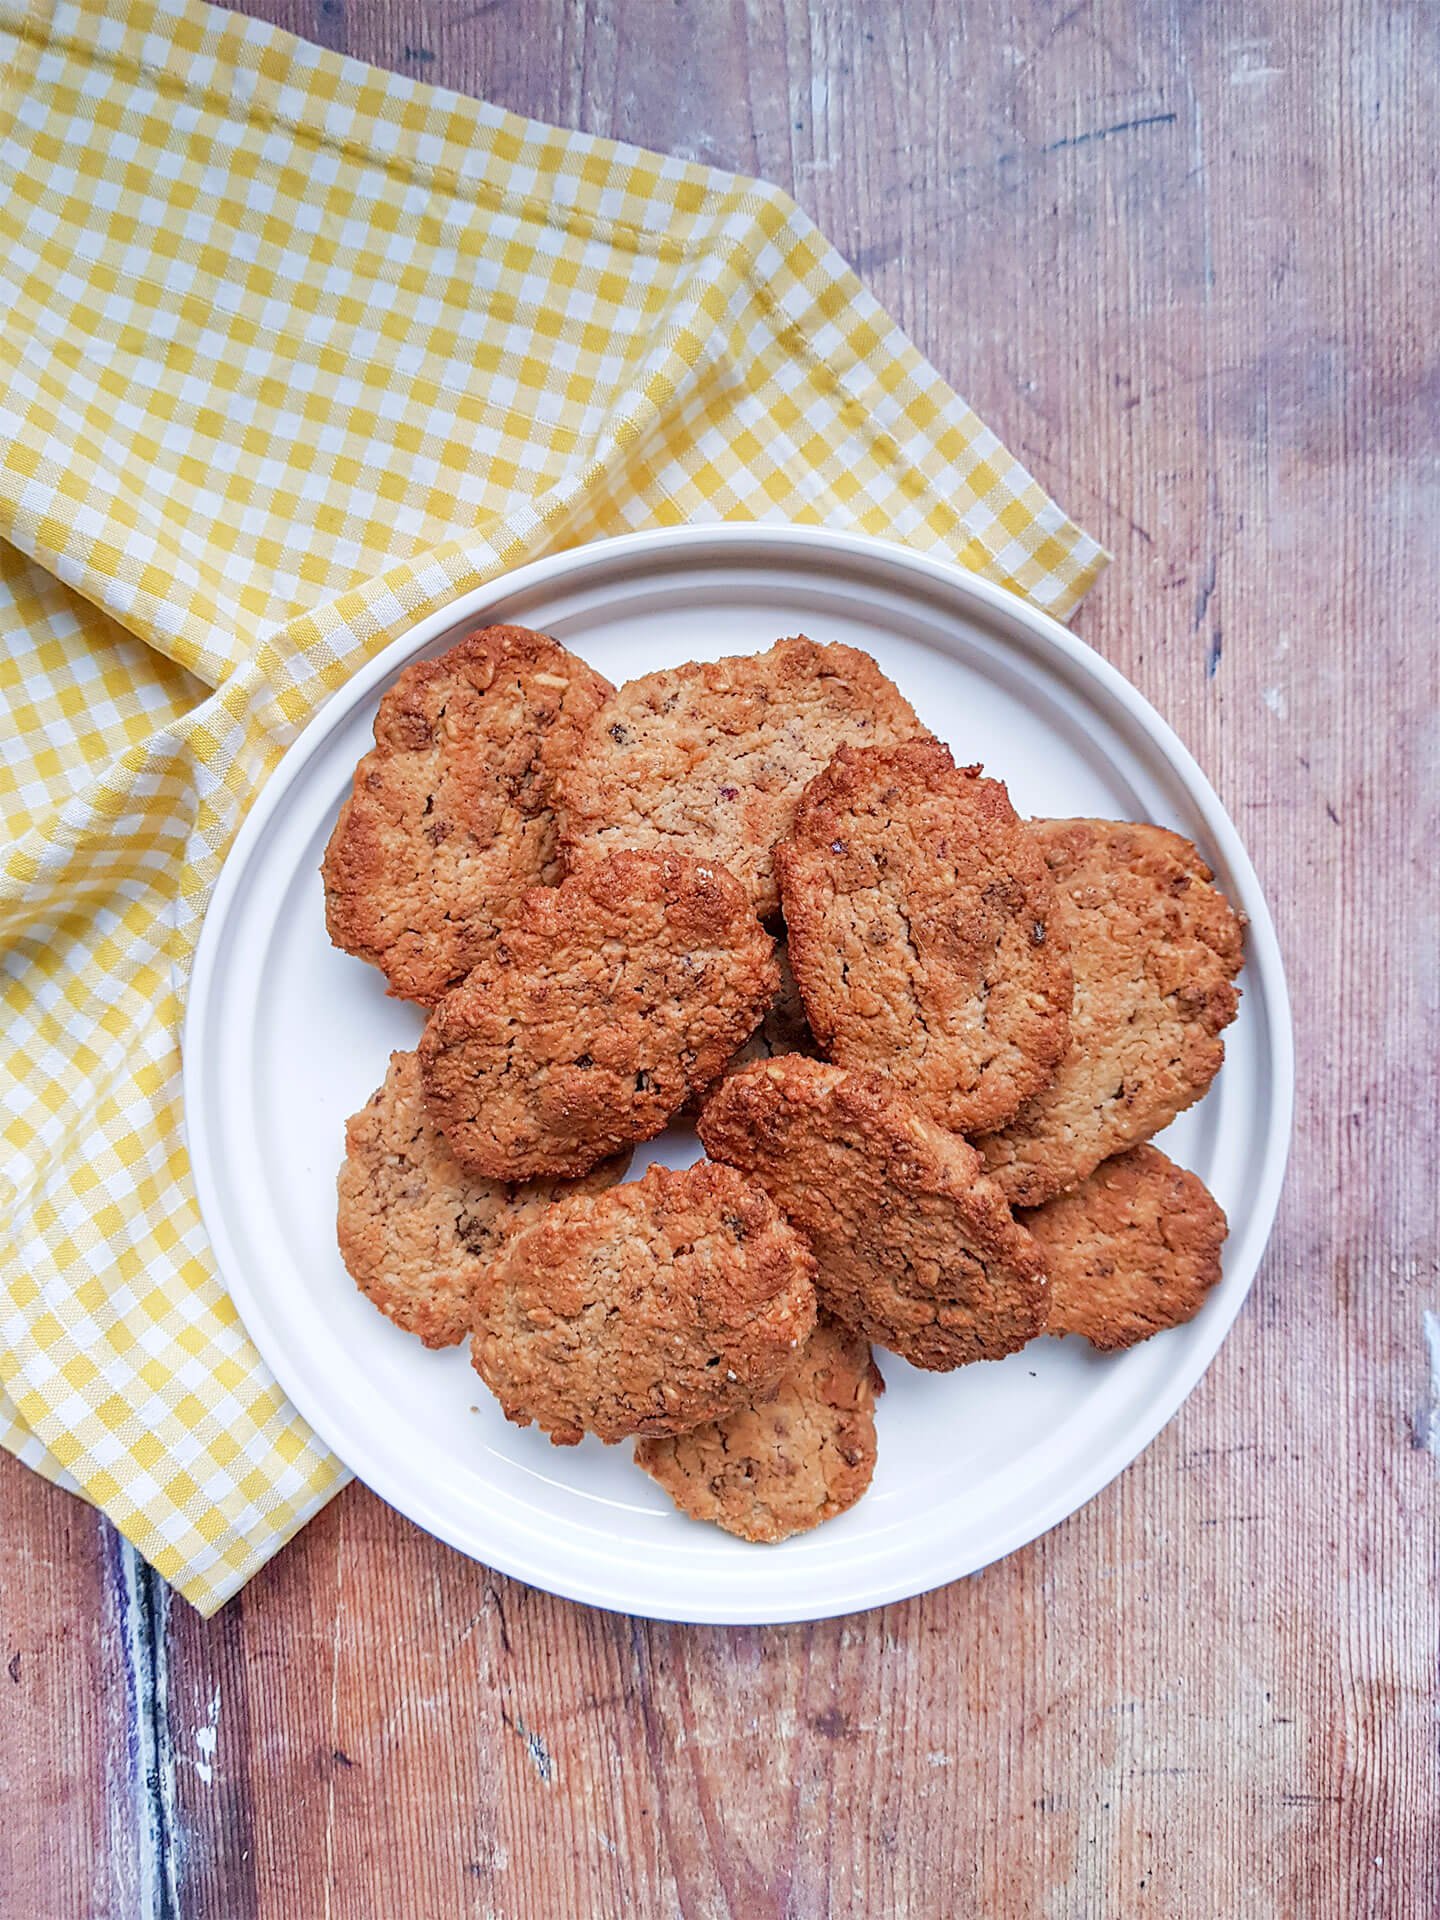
point(924, 1042)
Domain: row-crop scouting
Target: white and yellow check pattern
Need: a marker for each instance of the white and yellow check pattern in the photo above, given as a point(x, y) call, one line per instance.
point(291, 352)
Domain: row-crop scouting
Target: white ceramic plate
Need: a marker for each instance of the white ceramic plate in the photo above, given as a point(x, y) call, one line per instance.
point(285, 1037)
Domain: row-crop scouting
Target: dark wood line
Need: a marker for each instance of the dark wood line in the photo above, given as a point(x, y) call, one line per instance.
point(142, 1603)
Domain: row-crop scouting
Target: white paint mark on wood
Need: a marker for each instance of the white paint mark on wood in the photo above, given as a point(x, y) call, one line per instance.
point(1274, 699)
point(1427, 1421)
point(1252, 63)
point(540, 1755)
point(207, 1739)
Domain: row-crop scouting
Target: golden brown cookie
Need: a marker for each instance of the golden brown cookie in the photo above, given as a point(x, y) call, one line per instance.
point(449, 817)
point(922, 928)
point(710, 758)
point(605, 1003)
point(1132, 1250)
point(415, 1229)
point(796, 1458)
point(1155, 948)
point(916, 1248)
point(666, 1302)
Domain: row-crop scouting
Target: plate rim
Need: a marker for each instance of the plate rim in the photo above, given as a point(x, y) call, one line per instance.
point(729, 541)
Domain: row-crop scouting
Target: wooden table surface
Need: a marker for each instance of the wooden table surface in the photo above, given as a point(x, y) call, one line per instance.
point(1180, 256)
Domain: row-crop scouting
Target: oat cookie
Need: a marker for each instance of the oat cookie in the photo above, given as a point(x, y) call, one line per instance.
point(711, 758)
point(1155, 949)
point(415, 1229)
point(449, 817)
point(666, 1302)
point(922, 926)
point(1132, 1250)
point(605, 1003)
point(916, 1248)
point(796, 1458)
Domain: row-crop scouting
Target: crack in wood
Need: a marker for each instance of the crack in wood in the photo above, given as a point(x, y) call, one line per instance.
point(142, 1604)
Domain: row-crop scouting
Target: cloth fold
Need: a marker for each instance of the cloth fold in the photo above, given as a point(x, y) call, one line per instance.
point(292, 352)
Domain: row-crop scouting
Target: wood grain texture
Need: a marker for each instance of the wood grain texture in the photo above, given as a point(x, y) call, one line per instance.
point(77, 1710)
point(1180, 258)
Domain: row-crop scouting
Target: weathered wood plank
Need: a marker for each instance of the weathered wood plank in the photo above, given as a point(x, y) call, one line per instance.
point(77, 1836)
point(1179, 258)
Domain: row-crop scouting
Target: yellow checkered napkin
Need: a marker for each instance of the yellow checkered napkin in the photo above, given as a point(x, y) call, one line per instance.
point(292, 352)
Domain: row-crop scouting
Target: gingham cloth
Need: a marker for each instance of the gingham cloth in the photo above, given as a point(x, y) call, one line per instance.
point(292, 352)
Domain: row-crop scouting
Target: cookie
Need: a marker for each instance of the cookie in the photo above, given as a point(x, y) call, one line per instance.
point(923, 935)
point(603, 1006)
point(415, 1229)
point(916, 1248)
point(1132, 1250)
point(1155, 948)
point(710, 758)
point(791, 1461)
point(666, 1302)
point(449, 817)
